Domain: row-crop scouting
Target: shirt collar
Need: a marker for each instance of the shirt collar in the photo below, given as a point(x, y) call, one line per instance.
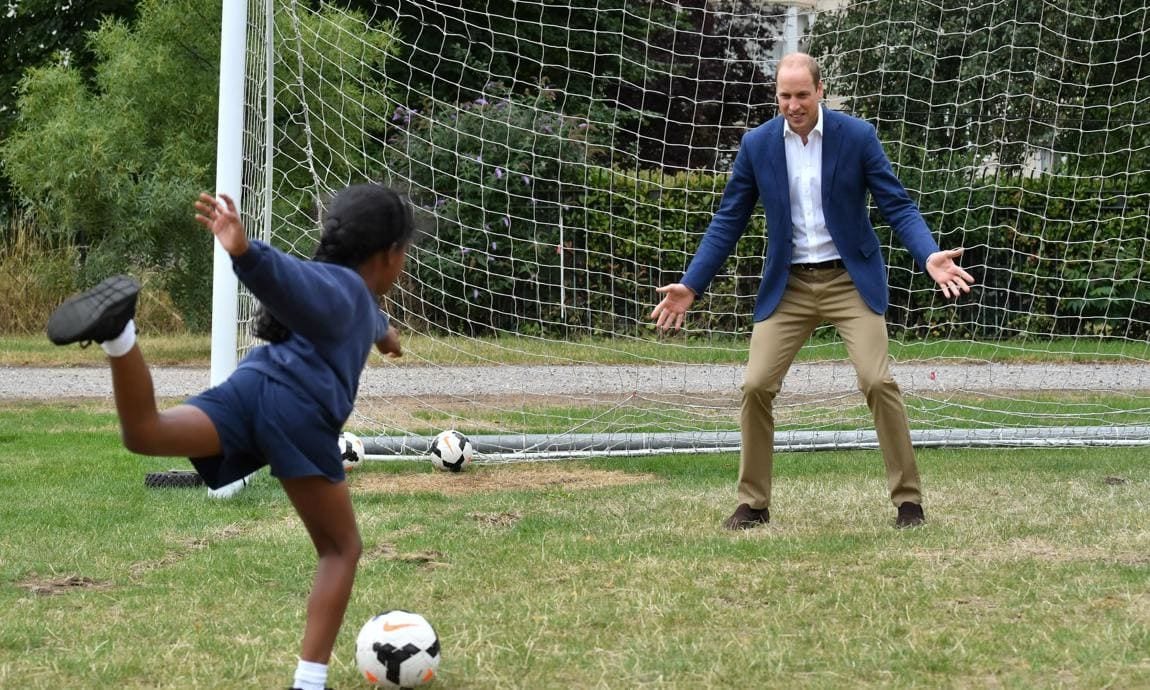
point(787, 131)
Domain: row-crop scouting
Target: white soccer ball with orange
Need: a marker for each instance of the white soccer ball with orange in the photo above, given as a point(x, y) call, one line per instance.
point(451, 451)
point(397, 649)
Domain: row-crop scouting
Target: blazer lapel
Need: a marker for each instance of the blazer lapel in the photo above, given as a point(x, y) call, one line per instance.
point(777, 156)
point(832, 140)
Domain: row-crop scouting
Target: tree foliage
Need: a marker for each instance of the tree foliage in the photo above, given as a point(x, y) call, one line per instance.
point(331, 104)
point(111, 164)
point(34, 33)
point(671, 80)
point(994, 81)
point(495, 173)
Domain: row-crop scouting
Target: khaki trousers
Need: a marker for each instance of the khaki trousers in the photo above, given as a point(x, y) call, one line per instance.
point(811, 298)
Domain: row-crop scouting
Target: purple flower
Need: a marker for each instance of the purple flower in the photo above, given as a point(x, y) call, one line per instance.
point(475, 294)
point(506, 221)
point(481, 101)
point(494, 246)
point(440, 201)
point(479, 158)
point(499, 173)
point(464, 250)
point(526, 180)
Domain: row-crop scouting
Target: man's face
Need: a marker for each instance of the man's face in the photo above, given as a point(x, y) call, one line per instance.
point(798, 96)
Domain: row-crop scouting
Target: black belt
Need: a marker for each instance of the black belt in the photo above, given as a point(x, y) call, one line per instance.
point(833, 263)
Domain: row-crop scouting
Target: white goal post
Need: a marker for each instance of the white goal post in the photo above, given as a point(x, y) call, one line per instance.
point(566, 158)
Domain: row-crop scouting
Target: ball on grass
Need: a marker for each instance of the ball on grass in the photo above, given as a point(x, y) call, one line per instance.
point(451, 451)
point(397, 649)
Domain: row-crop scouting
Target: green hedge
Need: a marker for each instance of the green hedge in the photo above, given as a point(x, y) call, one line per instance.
point(1053, 256)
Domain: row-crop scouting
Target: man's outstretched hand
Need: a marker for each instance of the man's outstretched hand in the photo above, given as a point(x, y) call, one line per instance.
point(949, 275)
point(670, 312)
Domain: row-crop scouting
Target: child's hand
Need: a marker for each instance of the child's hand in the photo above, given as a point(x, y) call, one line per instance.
point(223, 220)
point(390, 345)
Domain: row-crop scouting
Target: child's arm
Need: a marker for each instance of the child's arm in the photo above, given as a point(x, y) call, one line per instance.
point(301, 298)
point(389, 344)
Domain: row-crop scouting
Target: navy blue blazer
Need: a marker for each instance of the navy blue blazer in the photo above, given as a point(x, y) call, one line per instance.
point(853, 164)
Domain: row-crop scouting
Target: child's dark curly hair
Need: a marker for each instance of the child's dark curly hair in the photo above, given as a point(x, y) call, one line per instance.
point(359, 221)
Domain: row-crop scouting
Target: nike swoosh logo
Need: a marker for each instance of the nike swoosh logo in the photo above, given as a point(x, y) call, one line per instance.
point(389, 627)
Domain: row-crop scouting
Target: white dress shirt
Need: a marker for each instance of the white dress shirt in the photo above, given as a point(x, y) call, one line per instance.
point(812, 240)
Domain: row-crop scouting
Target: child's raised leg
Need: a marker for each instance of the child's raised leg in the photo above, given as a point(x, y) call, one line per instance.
point(180, 431)
point(104, 315)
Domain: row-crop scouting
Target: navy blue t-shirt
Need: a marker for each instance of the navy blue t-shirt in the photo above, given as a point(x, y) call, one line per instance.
point(334, 320)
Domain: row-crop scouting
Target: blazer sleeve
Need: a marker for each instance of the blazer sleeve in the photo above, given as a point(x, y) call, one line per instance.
point(727, 225)
point(894, 203)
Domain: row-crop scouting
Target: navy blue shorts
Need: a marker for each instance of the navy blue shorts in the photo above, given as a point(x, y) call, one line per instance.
point(260, 422)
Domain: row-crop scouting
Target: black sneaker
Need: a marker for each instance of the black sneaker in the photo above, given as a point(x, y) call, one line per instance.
point(909, 515)
point(95, 315)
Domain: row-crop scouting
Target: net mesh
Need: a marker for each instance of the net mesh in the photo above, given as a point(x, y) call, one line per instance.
point(567, 156)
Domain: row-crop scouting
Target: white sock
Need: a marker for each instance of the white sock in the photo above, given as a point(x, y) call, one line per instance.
point(119, 346)
point(310, 676)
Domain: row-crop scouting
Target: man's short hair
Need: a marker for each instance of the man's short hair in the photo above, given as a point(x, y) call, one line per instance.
point(801, 60)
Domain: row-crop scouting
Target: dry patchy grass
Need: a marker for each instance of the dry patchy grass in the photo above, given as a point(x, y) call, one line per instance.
point(527, 477)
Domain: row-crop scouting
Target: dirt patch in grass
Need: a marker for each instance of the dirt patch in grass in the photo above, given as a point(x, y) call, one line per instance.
point(183, 548)
point(492, 479)
point(60, 584)
point(512, 413)
point(389, 552)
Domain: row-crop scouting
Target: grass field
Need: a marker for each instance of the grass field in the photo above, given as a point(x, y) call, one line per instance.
point(1033, 571)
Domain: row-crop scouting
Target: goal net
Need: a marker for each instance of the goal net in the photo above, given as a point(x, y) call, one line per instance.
point(566, 157)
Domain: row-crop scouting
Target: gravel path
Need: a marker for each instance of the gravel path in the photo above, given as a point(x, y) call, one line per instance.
point(381, 381)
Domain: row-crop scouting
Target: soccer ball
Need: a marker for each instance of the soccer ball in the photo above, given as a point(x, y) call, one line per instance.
point(451, 451)
point(397, 649)
point(350, 450)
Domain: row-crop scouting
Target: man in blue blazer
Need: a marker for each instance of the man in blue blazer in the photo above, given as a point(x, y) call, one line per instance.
point(812, 169)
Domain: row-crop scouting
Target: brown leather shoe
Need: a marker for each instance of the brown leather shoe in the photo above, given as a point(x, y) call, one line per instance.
point(746, 517)
point(909, 515)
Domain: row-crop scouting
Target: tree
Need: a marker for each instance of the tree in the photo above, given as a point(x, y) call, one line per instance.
point(33, 32)
point(672, 80)
point(111, 164)
point(993, 82)
point(36, 32)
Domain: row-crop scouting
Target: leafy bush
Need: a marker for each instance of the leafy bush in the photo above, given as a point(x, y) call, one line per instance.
point(640, 230)
point(1053, 256)
point(493, 174)
point(112, 167)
